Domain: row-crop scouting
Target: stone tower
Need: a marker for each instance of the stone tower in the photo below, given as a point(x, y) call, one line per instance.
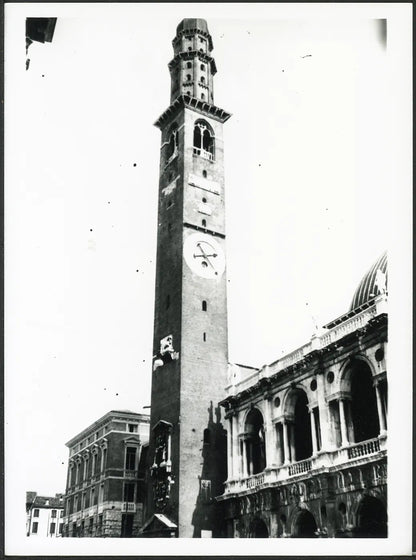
point(187, 450)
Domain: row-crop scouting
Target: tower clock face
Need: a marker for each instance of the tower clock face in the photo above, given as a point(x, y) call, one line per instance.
point(204, 256)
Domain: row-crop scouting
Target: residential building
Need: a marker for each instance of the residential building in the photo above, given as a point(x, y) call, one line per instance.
point(104, 493)
point(44, 515)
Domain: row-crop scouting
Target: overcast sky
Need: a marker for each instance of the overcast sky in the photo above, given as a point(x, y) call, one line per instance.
point(309, 169)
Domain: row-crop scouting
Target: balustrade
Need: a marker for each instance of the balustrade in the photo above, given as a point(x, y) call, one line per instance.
point(129, 507)
point(203, 153)
point(364, 448)
point(283, 472)
point(300, 467)
point(254, 481)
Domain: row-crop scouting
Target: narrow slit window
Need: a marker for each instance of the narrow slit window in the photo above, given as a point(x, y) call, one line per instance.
point(204, 337)
point(204, 223)
point(204, 306)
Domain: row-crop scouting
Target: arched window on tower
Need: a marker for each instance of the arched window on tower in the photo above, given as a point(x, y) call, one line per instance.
point(172, 148)
point(202, 80)
point(204, 141)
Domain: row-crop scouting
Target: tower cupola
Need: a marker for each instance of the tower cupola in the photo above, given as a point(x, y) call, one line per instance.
point(192, 67)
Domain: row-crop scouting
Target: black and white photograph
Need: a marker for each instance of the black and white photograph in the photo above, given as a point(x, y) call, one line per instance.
point(208, 278)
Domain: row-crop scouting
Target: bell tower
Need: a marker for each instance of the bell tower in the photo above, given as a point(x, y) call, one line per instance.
point(187, 449)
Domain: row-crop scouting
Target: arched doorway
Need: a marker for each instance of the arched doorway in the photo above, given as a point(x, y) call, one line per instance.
point(305, 526)
point(255, 447)
point(258, 529)
point(363, 403)
point(371, 519)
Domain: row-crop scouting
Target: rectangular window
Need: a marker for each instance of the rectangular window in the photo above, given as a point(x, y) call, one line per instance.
point(36, 513)
point(93, 496)
point(130, 458)
point(61, 527)
point(101, 494)
point(133, 428)
point(128, 495)
point(52, 528)
point(53, 514)
point(35, 527)
point(103, 459)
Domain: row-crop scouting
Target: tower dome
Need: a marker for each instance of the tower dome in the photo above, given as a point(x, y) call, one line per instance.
point(373, 283)
point(192, 24)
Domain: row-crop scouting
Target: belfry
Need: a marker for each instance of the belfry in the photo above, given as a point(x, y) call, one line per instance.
point(187, 448)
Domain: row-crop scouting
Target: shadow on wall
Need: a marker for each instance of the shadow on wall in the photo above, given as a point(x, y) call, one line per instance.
point(206, 519)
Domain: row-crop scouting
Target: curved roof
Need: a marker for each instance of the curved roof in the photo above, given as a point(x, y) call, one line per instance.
point(369, 286)
point(192, 23)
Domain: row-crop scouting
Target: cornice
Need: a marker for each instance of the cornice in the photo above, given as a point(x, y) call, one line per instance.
point(186, 101)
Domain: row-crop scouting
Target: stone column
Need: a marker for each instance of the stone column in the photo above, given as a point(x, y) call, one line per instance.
point(279, 445)
point(236, 454)
point(292, 442)
point(229, 449)
point(249, 445)
point(381, 418)
point(344, 435)
point(270, 436)
point(243, 457)
point(313, 430)
point(327, 442)
point(286, 442)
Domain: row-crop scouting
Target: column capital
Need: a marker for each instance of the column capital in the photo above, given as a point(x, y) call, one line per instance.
point(288, 419)
point(338, 396)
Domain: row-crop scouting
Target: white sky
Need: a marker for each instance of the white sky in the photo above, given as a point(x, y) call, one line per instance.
point(311, 196)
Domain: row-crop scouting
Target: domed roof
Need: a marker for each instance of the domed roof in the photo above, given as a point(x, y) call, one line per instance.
point(192, 23)
point(371, 283)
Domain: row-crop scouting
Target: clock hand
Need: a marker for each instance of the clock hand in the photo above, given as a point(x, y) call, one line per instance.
point(206, 256)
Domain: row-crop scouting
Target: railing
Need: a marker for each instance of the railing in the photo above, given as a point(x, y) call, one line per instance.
point(248, 381)
point(364, 448)
point(129, 507)
point(348, 326)
point(255, 480)
point(300, 467)
point(336, 333)
point(276, 474)
point(203, 153)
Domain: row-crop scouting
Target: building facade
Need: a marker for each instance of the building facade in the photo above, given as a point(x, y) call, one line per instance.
point(307, 434)
point(187, 447)
point(44, 515)
point(104, 493)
